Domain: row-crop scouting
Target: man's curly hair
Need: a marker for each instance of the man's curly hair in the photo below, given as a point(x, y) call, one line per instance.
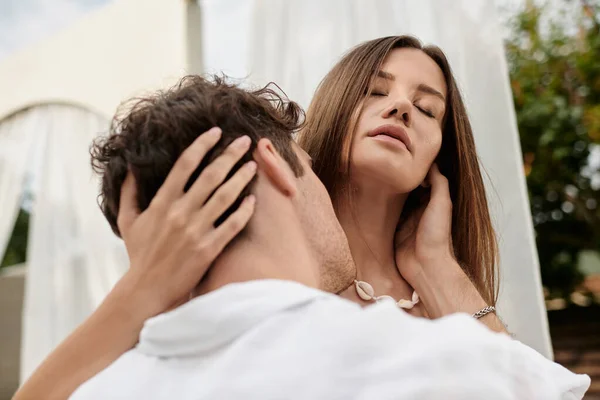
point(148, 134)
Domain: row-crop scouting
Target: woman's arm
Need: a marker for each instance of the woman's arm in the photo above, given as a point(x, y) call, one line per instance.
point(449, 291)
point(424, 258)
point(109, 332)
point(171, 245)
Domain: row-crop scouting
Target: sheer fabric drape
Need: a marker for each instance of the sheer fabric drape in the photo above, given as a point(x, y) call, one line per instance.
point(15, 151)
point(73, 258)
point(295, 42)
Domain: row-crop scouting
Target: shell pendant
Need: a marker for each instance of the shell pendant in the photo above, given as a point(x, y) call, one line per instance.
point(366, 292)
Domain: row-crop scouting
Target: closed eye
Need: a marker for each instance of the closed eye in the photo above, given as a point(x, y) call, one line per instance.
point(378, 94)
point(425, 111)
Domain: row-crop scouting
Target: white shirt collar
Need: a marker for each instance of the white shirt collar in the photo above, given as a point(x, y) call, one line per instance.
point(215, 319)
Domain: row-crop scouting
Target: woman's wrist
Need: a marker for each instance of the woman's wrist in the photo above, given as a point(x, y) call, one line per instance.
point(129, 300)
point(445, 289)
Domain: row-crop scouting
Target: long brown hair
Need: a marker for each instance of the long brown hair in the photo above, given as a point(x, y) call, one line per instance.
point(331, 122)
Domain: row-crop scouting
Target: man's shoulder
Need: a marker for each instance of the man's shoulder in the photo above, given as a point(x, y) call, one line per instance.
point(384, 345)
point(383, 328)
point(386, 317)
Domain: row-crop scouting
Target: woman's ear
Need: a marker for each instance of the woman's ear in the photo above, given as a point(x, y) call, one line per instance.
point(275, 167)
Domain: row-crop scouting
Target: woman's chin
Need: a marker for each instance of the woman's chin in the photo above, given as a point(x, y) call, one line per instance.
point(386, 183)
point(394, 175)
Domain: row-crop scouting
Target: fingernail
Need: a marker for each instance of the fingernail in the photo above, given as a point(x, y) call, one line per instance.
point(251, 199)
point(251, 165)
point(216, 131)
point(240, 142)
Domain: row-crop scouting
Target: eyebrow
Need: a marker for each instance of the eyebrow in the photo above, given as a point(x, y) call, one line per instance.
point(385, 75)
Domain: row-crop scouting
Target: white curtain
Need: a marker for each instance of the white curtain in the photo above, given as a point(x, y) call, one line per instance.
point(73, 257)
point(15, 149)
point(295, 42)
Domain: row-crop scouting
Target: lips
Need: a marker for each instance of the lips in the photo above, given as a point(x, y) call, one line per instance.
point(393, 131)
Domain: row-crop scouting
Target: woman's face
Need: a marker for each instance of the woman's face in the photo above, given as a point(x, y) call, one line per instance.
point(399, 131)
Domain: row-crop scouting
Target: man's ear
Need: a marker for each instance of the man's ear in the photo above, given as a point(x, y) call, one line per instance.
point(274, 167)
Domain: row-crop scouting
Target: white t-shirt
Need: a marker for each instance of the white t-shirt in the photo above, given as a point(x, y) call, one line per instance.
point(272, 339)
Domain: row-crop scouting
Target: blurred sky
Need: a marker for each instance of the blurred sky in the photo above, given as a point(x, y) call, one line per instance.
point(23, 22)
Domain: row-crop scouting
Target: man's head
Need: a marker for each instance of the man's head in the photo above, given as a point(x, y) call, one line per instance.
point(149, 135)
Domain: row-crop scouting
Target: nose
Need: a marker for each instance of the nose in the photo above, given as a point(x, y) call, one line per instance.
point(400, 109)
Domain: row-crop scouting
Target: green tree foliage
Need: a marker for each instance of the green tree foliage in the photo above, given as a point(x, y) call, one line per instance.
point(554, 62)
point(17, 246)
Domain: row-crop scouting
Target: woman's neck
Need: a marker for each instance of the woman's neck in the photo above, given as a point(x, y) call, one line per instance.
point(369, 218)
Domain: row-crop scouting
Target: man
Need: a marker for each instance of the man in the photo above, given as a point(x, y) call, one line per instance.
point(261, 323)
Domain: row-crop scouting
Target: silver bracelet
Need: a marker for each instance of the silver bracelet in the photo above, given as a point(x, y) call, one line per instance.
point(484, 311)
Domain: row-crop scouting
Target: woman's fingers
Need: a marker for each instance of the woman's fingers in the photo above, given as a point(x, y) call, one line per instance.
point(227, 194)
point(440, 191)
point(173, 243)
point(185, 165)
point(214, 174)
point(439, 208)
point(208, 249)
point(233, 225)
point(128, 208)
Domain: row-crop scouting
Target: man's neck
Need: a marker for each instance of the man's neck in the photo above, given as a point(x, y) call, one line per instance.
point(274, 254)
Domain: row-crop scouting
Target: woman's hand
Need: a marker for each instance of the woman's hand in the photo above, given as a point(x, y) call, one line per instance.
point(424, 239)
point(171, 245)
point(173, 242)
point(425, 257)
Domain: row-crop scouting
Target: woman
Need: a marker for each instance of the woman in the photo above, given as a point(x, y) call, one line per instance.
point(374, 183)
point(379, 120)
